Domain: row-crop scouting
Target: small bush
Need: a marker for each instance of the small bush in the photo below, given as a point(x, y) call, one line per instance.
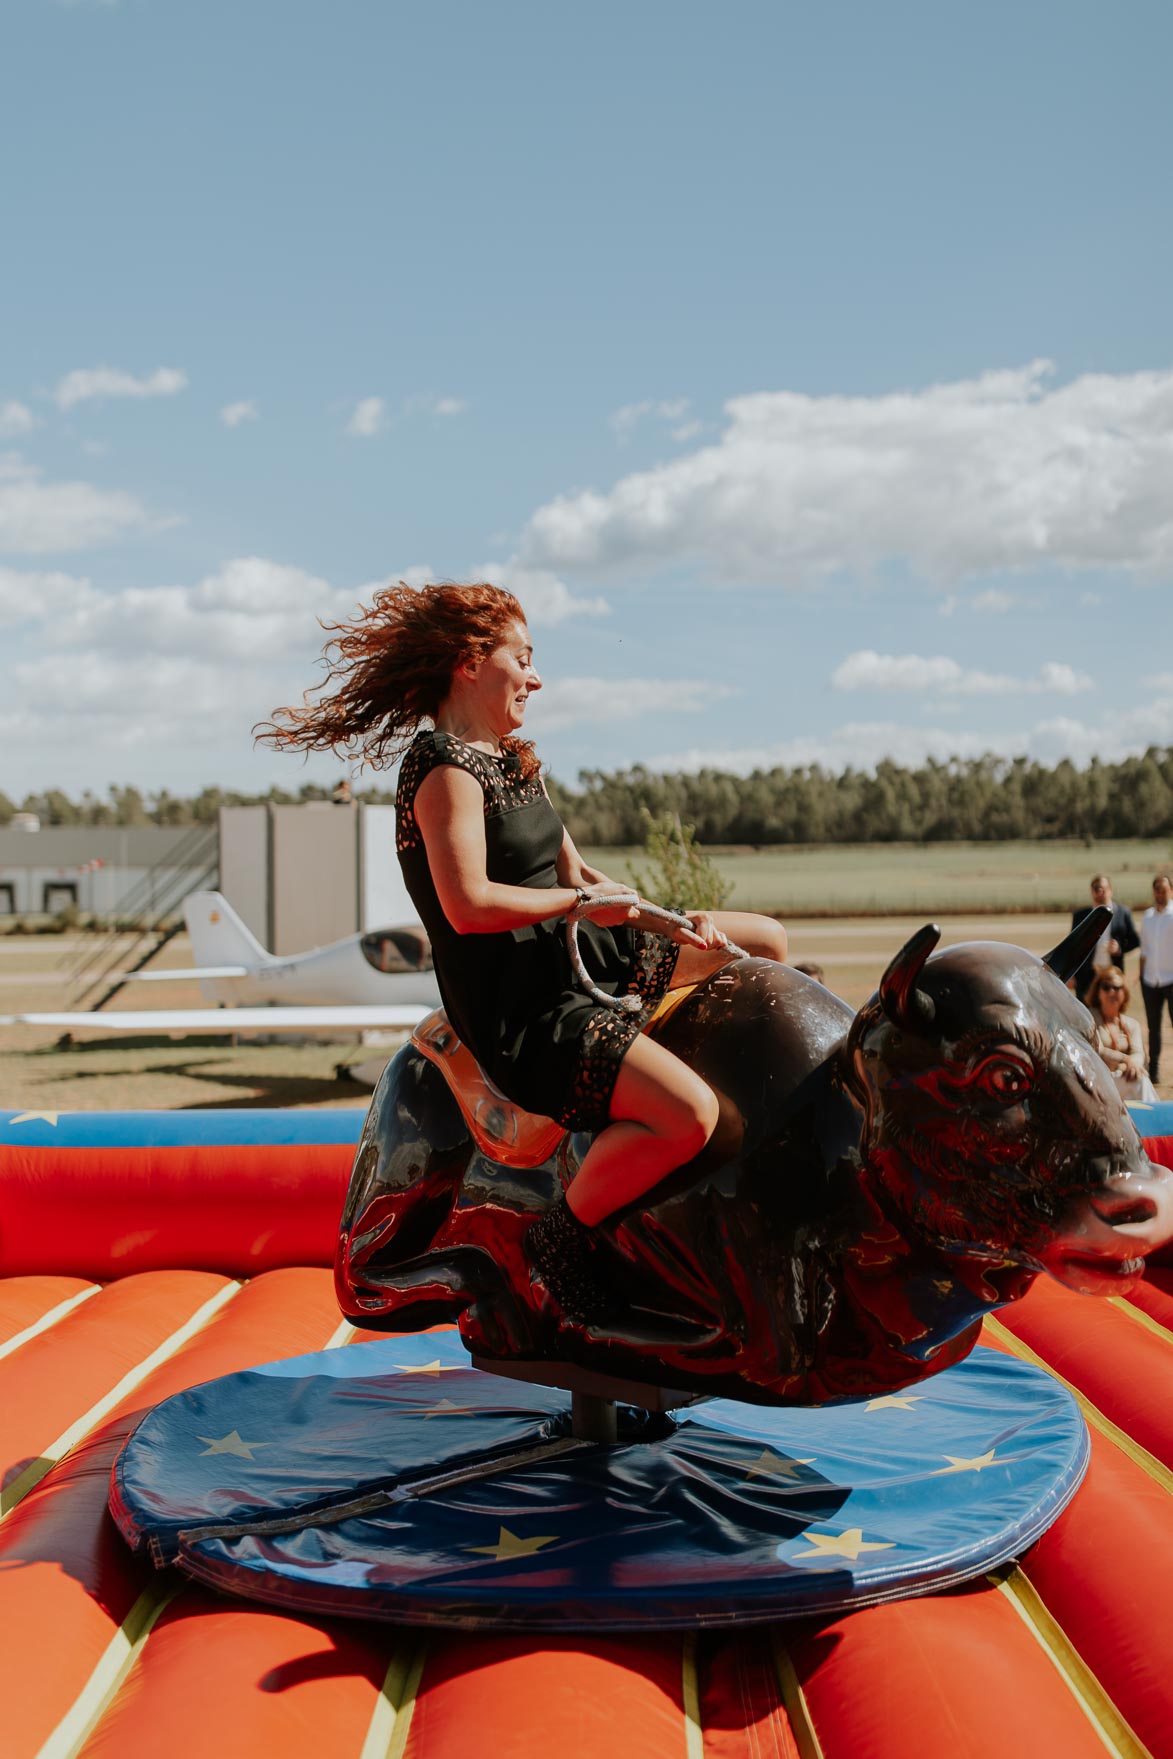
point(681, 876)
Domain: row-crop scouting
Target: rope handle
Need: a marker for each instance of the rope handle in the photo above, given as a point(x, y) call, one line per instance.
point(586, 909)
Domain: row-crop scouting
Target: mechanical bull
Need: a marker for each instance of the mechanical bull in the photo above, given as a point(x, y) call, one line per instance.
point(875, 1186)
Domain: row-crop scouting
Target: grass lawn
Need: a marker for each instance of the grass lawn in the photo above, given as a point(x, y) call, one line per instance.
point(935, 878)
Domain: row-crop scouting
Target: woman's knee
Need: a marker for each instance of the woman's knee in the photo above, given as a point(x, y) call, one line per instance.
point(770, 940)
point(697, 1118)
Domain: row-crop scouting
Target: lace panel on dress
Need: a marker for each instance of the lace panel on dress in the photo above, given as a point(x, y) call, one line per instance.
point(500, 778)
point(608, 1036)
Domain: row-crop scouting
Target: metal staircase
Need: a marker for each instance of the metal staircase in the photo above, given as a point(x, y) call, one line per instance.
point(150, 908)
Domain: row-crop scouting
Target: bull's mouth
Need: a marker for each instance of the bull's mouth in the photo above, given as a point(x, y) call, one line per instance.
point(1097, 1264)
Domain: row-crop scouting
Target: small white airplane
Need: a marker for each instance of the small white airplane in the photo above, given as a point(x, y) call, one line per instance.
point(383, 978)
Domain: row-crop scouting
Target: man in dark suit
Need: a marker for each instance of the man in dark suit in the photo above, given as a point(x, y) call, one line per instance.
point(1119, 938)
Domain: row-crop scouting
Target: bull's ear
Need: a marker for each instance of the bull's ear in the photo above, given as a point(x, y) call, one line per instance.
point(904, 1004)
point(1066, 959)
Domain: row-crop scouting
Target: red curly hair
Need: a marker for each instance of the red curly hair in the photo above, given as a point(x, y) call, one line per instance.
point(392, 667)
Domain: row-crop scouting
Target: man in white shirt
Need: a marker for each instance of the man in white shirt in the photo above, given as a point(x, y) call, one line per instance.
point(1156, 964)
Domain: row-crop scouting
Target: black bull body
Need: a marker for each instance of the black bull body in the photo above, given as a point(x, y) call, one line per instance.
point(876, 1184)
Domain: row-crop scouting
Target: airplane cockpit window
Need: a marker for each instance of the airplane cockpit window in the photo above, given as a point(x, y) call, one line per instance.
point(397, 949)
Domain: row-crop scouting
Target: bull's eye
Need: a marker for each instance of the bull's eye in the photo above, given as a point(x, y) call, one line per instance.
point(1003, 1079)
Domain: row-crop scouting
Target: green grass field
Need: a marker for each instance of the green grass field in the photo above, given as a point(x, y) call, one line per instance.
point(903, 878)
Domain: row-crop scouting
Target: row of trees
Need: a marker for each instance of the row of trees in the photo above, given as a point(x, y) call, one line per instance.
point(986, 799)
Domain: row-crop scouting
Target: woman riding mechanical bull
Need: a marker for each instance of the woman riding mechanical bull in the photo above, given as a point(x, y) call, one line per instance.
point(443, 676)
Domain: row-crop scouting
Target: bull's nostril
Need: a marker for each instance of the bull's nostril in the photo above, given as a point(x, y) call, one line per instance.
point(1126, 1210)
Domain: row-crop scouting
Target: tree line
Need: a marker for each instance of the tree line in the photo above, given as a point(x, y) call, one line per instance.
point(983, 799)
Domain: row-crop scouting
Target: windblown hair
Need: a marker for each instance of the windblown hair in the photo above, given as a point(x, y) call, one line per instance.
point(391, 667)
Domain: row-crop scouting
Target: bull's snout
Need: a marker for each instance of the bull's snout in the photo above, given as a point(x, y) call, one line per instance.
point(1120, 1220)
point(1125, 1206)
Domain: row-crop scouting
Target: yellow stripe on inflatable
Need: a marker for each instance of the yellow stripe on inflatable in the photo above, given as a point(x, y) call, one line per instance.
point(1140, 1456)
point(794, 1701)
point(391, 1719)
point(694, 1740)
point(1141, 1318)
point(1077, 1676)
point(32, 1474)
point(118, 1657)
point(48, 1320)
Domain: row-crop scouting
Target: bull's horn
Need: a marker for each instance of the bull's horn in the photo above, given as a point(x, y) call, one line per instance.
point(904, 1004)
point(1066, 959)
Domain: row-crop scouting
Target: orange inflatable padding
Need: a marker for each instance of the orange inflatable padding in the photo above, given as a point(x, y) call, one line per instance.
point(1104, 1350)
point(606, 1698)
point(948, 1677)
point(232, 1680)
point(104, 1212)
point(1103, 1570)
point(1098, 1568)
point(61, 1373)
point(1154, 1297)
point(67, 1580)
point(28, 1300)
point(741, 1707)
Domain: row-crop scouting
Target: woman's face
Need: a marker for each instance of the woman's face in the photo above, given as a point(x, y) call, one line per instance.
point(1110, 997)
point(505, 680)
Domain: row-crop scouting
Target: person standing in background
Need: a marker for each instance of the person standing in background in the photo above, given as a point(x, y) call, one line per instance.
point(1118, 1035)
point(1156, 964)
point(1119, 938)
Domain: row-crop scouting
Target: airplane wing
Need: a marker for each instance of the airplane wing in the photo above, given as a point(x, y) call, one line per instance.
point(186, 974)
point(223, 1020)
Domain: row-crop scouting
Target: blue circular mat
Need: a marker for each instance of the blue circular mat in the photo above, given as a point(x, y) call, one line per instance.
point(319, 1483)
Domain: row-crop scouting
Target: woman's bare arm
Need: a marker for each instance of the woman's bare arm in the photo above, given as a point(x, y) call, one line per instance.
point(449, 809)
point(574, 871)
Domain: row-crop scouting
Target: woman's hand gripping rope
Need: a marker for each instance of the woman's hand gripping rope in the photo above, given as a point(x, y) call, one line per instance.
point(696, 929)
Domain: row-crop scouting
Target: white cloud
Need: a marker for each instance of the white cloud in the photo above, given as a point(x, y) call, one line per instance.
point(983, 475)
point(427, 403)
point(28, 596)
point(87, 384)
point(15, 418)
point(368, 418)
point(628, 418)
point(866, 670)
point(252, 613)
point(39, 518)
point(574, 701)
point(545, 599)
point(233, 414)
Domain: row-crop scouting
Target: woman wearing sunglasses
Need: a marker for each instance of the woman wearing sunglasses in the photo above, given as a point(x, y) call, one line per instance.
point(1118, 1035)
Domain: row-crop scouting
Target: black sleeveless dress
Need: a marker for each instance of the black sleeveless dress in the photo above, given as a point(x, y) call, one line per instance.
point(511, 995)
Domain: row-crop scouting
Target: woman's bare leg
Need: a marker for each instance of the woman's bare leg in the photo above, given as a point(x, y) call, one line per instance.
point(759, 936)
point(662, 1115)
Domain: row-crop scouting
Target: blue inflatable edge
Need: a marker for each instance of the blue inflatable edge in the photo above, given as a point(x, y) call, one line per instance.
point(262, 1127)
point(237, 1128)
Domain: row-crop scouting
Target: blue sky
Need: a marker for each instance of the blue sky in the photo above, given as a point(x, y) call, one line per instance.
point(808, 372)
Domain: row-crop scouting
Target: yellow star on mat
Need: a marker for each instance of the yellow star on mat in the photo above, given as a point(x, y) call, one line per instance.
point(446, 1408)
point(848, 1544)
point(436, 1367)
point(771, 1465)
point(35, 1117)
point(974, 1465)
point(894, 1401)
point(509, 1546)
point(231, 1444)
